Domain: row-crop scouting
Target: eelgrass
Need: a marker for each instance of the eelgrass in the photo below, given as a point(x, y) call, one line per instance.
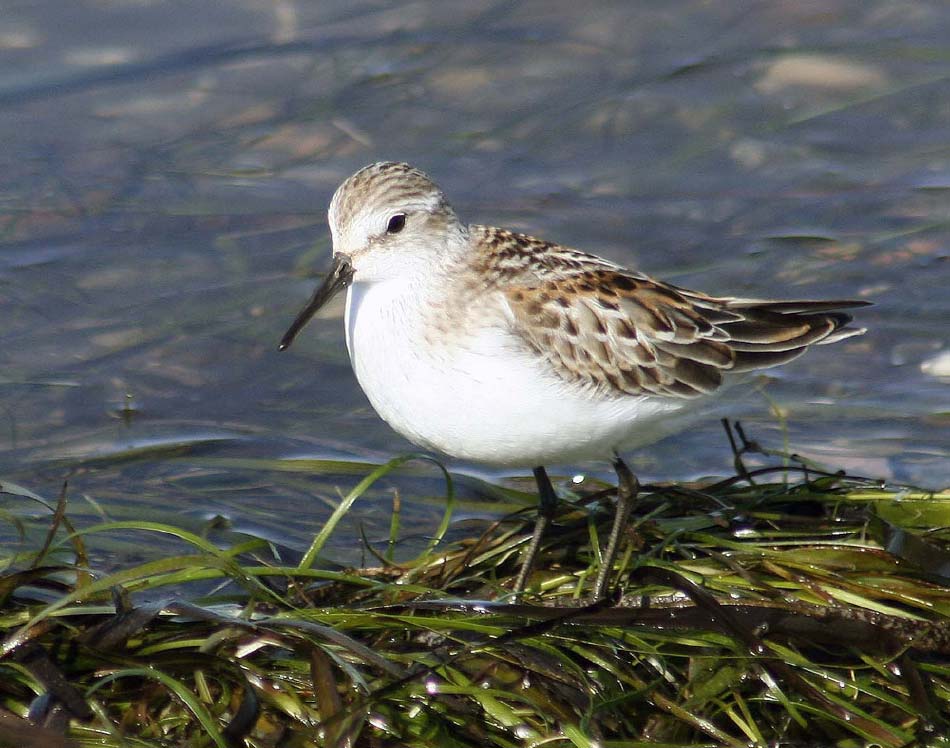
point(782, 606)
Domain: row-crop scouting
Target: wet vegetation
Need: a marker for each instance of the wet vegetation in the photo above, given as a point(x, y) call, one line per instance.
point(782, 606)
point(166, 172)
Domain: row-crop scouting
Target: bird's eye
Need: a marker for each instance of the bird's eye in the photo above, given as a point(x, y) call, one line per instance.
point(396, 223)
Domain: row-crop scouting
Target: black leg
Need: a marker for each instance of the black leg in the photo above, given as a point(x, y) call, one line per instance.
point(627, 488)
point(548, 506)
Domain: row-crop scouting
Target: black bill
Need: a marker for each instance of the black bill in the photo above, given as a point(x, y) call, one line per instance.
point(339, 277)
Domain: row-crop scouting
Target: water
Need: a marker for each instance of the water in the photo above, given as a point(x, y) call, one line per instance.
point(166, 170)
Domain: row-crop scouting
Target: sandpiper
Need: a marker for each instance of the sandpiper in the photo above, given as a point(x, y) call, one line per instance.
point(496, 347)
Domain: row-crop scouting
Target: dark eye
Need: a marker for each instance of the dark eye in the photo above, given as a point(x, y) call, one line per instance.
point(396, 223)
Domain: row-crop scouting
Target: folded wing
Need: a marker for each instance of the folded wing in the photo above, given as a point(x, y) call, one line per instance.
point(624, 333)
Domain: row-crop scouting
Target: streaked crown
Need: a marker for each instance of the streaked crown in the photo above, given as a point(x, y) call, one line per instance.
point(391, 210)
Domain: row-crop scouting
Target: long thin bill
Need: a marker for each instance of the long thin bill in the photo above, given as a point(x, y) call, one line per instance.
point(339, 277)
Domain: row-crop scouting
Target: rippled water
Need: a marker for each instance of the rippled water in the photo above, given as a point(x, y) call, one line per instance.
point(166, 170)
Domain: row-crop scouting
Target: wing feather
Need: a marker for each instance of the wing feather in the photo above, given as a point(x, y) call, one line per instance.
point(624, 333)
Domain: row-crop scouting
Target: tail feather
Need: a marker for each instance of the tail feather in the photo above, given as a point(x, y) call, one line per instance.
point(748, 361)
point(771, 333)
point(800, 306)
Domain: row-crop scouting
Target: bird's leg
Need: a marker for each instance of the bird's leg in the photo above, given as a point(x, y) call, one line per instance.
point(546, 509)
point(737, 451)
point(627, 488)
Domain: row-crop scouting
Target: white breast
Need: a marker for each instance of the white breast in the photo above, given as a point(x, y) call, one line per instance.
point(483, 397)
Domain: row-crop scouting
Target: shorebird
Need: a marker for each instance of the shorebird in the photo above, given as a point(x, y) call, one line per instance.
point(497, 347)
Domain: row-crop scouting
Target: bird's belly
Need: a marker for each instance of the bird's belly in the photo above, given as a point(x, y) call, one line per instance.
point(483, 397)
